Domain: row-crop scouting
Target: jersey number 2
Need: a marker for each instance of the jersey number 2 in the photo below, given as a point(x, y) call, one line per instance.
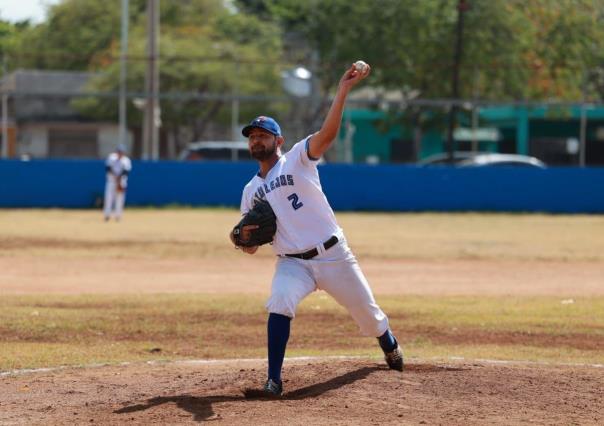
point(295, 203)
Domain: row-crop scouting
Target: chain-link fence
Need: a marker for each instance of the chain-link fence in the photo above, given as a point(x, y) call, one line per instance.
point(56, 115)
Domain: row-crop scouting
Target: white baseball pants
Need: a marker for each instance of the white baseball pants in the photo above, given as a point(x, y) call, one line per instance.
point(114, 200)
point(338, 273)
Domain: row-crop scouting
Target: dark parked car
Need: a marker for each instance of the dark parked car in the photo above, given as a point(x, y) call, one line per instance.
point(216, 150)
point(443, 158)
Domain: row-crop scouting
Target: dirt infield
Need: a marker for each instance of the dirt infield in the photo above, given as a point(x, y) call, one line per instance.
point(319, 392)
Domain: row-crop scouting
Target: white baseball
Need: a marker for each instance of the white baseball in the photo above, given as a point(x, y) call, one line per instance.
point(361, 66)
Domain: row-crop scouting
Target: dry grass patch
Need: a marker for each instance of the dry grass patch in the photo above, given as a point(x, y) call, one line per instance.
point(40, 331)
point(177, 233)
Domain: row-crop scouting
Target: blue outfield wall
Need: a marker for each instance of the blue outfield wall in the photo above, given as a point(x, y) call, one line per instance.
point(80, 184)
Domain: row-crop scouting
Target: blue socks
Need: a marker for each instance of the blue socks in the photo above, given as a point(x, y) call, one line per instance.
point(387, 341)
point(278, 335)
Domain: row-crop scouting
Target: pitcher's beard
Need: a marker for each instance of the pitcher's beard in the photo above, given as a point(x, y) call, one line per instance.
point(261, 153)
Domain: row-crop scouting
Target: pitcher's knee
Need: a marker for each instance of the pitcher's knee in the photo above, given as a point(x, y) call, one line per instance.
point(375, 329)
point(372, 323)
point(281, 304)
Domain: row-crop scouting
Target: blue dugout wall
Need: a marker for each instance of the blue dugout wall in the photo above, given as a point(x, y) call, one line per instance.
point(80, 184)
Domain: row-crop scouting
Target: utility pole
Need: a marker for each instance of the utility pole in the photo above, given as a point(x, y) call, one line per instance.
point(124, 52)
point(462, 6)
point(235, 135)
point(582, 134)
point(583, 120)
point(152, 112)
point(4, 111)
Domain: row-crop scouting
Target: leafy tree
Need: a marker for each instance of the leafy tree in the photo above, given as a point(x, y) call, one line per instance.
point(75, 31)
point(205, 52)
point(568, 38)
point(9, 38)
point(512, 49)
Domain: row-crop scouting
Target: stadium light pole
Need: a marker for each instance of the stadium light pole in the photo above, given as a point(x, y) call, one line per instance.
point(462, 6)
point(123, 65)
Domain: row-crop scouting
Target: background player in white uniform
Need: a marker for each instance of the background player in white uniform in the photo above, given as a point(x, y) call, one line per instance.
point(311, 247)
point(117, 167)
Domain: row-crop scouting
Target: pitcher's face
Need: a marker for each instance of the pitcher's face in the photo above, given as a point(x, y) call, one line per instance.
point(262, 144)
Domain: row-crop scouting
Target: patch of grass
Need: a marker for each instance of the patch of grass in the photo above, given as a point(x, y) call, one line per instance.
point(519, 353)
point(185, 232)
point(19, 355)
point(43, 331)
point(549, 315)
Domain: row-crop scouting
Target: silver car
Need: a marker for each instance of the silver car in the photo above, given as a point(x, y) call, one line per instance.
point(483, 159)
point(501, 160)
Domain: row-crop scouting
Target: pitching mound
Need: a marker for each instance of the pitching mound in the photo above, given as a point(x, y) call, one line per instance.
point(342, 391)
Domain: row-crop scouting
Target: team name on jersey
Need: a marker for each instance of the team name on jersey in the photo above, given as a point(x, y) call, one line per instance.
point(278, 182)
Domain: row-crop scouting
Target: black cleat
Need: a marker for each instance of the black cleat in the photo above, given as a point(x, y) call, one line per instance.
point(270, 390)
point(394, 359)
point(273, 389)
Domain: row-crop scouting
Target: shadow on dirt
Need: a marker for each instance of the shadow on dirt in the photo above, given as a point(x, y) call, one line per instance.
point(318, 388)
point(201, 407)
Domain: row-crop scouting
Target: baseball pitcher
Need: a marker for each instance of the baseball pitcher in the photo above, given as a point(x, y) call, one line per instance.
point(284, 204)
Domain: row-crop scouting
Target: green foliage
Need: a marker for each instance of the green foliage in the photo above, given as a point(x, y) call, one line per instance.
point(512, 49)
point(75, 32)
point(198, 41)
point(568, 38)
point(9, 37)
point(205, 48)
point(216, 54)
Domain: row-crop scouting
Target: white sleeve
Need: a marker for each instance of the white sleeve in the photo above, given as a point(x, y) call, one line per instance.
point(245, 200)
point(243, 206)
point(128, 165)
point(300, 151)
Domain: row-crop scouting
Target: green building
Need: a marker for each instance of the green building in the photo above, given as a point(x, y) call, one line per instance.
point(550, 133)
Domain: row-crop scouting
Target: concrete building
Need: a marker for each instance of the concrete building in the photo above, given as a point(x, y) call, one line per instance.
point(42, 122)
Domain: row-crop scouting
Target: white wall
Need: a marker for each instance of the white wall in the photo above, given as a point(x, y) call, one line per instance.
point(32, 139)
point(108, 140)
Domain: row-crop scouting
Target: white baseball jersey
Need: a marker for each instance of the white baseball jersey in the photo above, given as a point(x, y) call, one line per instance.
point(114, 199)
point(292, 188)
point(117, 166)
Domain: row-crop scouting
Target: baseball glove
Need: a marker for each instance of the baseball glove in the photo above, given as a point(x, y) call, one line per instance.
point(120, 183)
point(264, 218)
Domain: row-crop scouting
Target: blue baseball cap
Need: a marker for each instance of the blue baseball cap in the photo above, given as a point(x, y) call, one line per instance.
point(262, 122)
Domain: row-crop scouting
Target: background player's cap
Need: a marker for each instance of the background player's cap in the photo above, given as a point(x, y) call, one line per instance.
point(262, 122)
point(121, 148)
